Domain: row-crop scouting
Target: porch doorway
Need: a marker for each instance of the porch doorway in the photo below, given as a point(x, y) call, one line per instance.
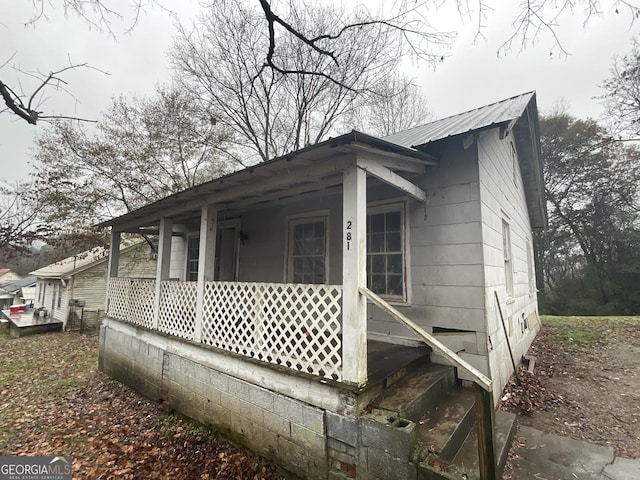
point(226, 265)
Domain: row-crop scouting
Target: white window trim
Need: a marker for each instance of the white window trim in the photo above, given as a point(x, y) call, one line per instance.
point(514, 162)
point(507, 255)
point(383, 206)
point(531, 267)
point(319, 215)
point(225, 224)
point(235, 223)
point(190, 236)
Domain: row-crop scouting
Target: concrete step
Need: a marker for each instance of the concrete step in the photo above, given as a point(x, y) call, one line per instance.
point(505, 429)
point(389, 364)
point(465, 463)
point(443, 428)
point(416, 393)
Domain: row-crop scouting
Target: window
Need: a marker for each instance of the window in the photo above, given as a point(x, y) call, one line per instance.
point(59, 296)
point(508, 263)
point(385, 251)
point(514, 163)
point(531, 268)
point(307, 250)
point(193, 253)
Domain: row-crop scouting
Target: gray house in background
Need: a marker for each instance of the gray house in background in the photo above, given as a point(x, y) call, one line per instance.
point(83, 278)
point(293, 299)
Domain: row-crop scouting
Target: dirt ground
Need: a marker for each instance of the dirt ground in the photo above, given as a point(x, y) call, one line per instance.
point(54, 402)
point(585, 383)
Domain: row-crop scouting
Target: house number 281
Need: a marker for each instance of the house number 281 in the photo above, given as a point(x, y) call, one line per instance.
point(348, 234)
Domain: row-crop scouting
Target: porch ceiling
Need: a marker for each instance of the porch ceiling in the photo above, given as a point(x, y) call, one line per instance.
point(315, 170)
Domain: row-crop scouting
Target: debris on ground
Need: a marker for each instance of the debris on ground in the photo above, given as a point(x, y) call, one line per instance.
point(528, 395)
point(54, 402)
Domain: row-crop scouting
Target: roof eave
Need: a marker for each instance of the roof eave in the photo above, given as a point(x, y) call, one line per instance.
point(353, 138)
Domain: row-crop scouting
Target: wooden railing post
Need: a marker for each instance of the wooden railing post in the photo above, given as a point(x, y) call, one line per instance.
point(206, 261)
point(354, 275)
point(486, 439)
point(164, 258)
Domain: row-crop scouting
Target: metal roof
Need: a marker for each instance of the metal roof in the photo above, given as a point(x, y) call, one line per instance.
point(316, 168)
point(483, 117)
point(71, 264)
point(16, 285)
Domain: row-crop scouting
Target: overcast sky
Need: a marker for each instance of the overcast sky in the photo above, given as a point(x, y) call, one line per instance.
point(471, 77)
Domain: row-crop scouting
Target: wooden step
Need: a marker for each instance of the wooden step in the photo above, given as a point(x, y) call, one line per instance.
point(443, 428)
point(416, 393)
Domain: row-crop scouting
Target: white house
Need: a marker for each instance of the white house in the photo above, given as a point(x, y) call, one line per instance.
point(292, 297)
point(83, 278)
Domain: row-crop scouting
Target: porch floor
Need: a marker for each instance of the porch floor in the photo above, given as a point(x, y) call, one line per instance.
point(385, 360)
point(24, 324)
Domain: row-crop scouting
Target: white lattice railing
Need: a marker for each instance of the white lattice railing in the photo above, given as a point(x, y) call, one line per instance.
point(178, 308)
point(294, 325)
point(131, 300)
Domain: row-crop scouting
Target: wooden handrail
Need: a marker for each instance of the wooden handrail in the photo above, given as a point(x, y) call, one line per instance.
point(478, 377)
point(483, 388)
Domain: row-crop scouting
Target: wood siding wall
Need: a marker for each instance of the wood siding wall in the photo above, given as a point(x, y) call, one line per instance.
point(90, 285)
point(445, 252)
point(503, 200)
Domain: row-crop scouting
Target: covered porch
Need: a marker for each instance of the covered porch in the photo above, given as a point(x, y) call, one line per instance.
point(317, 328)
point(258, 316)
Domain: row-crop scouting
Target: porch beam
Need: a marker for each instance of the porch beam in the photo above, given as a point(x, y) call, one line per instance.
point(164, 259)
point(395, 162)
point(403, 158)
point(354, 275)
point(382, 173)
point(206, 260)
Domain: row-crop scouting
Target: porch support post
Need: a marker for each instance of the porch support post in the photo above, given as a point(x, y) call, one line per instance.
point(114, 262)
point(206, 260)
point(114, 253)
point(164, 259)
point(354, 275)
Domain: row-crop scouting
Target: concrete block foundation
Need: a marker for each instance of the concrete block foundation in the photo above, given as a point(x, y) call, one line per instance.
point(306, 439)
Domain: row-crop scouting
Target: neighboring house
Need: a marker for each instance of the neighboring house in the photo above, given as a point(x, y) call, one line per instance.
point(6, 276)
point(83, 278)
point(17, 292)
point(291, 295)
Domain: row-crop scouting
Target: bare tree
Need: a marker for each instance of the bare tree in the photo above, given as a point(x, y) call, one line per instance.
point(281, 109)
point(622, 94)
point(141, 150)
point(279, 25)
point(25, 95)
point(20, 224)
point(397, 104)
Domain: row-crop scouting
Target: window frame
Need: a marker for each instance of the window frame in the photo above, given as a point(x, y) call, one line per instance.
point(507, 256)
point(291, 222)
point(187, 261)
point(531, 269)
point(387, 206)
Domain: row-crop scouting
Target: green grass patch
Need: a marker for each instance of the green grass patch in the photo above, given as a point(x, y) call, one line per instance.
point(584, 332)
